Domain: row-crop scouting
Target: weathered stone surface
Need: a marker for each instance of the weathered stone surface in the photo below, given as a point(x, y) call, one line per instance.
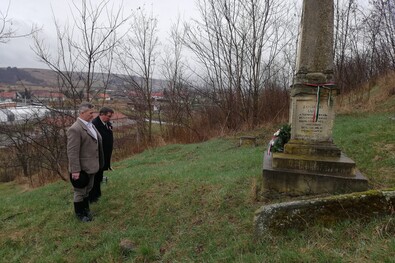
point(302, 147)
point(315, 51)
point(340, 166)
point(275, 218)
point(295, 182)
point(301, 116)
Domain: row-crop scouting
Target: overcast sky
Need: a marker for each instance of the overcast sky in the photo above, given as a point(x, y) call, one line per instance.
point(25, 13)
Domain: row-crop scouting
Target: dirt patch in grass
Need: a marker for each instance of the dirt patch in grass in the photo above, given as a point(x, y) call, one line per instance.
point(389, 148)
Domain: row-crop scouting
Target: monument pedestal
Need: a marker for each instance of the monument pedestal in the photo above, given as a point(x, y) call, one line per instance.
point(308, 167)
point(311, 163)
point(284, 178)
point(322, 158)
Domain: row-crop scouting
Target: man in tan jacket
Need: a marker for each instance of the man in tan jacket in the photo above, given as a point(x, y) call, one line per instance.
point(85, 154)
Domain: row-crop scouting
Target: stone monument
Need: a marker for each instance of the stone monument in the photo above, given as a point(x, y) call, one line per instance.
point(311, 163)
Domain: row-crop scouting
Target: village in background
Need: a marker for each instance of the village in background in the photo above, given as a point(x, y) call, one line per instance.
point(37, 94)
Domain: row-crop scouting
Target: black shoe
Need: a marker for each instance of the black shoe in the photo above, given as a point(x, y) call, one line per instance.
point(87, 211)
point(80, 212)
point(83, 218)
point(89, 215)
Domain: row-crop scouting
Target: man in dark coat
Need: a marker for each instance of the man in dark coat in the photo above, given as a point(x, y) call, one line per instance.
point(104, 126)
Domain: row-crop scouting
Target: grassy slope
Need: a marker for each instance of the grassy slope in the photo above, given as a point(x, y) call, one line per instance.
point(195, 203)
point(369, 139)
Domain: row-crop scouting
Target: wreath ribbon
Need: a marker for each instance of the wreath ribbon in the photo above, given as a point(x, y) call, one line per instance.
point(318, 97)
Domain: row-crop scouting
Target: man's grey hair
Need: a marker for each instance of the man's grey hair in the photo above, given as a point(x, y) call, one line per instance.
point(85, 106)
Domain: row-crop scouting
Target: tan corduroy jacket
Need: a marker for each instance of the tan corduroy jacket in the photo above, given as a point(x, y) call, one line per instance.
point(85, 153)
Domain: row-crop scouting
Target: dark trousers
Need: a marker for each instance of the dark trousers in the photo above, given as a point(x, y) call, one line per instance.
point(95, 192)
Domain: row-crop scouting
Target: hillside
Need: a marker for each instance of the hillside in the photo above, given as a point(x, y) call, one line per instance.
point(28, 77)
point(375, 96)
point(195, 203)
point(48, 78)
point(14, 76)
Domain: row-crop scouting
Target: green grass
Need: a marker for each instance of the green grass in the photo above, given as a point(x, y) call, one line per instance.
point(192, 203)
point(369, 139)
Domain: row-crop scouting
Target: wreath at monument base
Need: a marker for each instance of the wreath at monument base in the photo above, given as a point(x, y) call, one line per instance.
point(279, 139)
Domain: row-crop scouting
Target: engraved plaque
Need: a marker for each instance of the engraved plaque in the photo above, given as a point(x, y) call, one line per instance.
point(305, 127)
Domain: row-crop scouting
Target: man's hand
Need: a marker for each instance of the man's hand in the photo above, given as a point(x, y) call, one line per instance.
point(75, 176)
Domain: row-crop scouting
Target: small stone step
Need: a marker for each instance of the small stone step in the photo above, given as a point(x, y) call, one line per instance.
point(340, 166)
point(303, 148)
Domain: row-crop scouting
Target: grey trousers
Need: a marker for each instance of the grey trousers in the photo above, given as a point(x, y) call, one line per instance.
point(81, 193)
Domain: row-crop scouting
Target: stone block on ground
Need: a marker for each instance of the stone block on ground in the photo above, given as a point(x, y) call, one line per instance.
point(276, 218)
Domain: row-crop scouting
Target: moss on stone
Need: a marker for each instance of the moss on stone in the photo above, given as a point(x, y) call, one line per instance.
point(324, 211)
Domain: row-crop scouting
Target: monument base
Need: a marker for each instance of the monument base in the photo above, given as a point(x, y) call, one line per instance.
point(338, 166)
point(301, 182)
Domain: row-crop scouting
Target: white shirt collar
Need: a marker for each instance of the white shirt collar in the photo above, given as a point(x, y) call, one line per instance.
point(89, 125)
point(85, 122)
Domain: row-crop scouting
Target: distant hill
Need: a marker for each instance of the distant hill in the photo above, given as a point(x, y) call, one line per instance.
point(14, 76)
point(47, 77)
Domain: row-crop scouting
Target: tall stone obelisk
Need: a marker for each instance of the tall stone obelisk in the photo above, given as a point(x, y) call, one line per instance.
point(312, 120)
point(311, 163)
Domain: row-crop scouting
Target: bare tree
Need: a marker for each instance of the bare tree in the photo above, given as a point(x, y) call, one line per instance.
point(85, 48)
point(35, 137)
point(7, 31)
point(347, 46)
point(136, 59)
point(18, 148)
point(178, 95)
point(237, 42)
point(49, 142)
point(364, 42)
point(383, 17)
